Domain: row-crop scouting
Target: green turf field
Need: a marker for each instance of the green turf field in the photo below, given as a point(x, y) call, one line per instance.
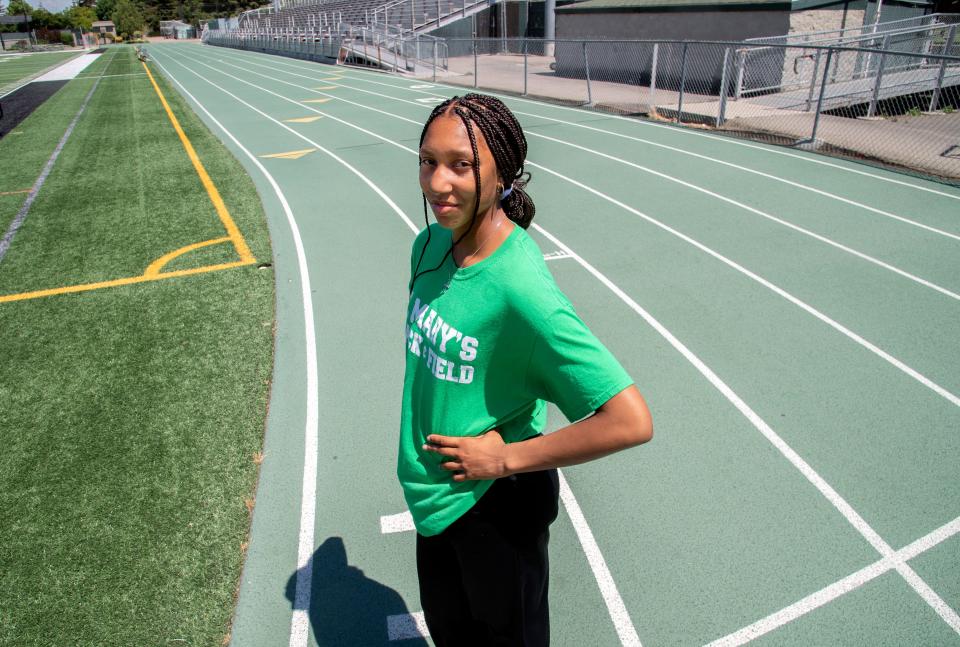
point(133, 414)
point(14, 68)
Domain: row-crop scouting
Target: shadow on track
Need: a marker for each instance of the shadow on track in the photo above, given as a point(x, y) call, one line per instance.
point(347, 607)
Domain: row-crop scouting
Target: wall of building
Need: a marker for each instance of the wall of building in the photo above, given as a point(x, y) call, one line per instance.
point(631, 63)
point(674, 25)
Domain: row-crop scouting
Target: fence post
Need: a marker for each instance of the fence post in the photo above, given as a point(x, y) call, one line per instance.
point(722, 110)
point(525, 67)
point(474, 61)
point(438, 14)
point(813, 80)
point(434, 61)
point(935, 98)
point(586, 68)
point(741, 66)
point(823, 91)
point(652, 104)
point(872, 110)
point(683, 81)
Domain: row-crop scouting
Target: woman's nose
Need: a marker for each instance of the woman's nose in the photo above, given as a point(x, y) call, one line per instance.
point(439, 182)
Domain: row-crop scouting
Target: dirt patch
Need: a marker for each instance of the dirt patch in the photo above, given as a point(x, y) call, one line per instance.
point(18, 106)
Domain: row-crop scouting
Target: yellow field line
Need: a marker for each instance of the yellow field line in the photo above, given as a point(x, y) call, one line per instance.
point(155, 267)
point(14, 192)
point(144, 278)
point(234, 234)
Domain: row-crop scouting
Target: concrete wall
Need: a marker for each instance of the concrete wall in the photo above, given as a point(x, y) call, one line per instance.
point(671, 25)
point(631, 63)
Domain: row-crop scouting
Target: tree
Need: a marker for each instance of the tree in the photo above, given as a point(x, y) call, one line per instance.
point(128, 18)
point(105, 9)
point(19, 8)
point(81, 17)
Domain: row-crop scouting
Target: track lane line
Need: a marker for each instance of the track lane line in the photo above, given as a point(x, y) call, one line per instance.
point(837, 589)
point(848, 512)
point(611, 596)
point(821, 192)
point(643, 124)
point(299, 624)
point(879, 352)
point(763, 214)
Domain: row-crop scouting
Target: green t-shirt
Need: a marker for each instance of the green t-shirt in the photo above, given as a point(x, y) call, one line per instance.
point(487, 346)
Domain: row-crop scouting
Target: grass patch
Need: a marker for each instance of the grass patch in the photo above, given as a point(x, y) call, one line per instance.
point(14, 69)
point(132, 415)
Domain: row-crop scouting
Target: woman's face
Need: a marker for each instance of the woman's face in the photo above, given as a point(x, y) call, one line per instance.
point(446, 172)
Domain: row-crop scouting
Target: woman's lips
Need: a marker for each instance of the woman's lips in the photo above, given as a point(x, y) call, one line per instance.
point(443, 207)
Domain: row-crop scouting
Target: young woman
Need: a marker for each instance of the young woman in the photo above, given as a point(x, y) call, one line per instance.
point(490, 340)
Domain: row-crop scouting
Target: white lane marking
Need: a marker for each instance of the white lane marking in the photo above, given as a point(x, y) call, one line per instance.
point(422, 86)
point(798, 185)
point(695, 187)
point(608, 588)
point(400, 522)
point(849, 513)
point(299, 625)
point(352, 169)
point(615, 605)
point(837, 589)
point(673, 129)
point(426, 99)
point(916, 375)
point(763, 214)
point(299, 621)
point(705, 157)
point(406, 626)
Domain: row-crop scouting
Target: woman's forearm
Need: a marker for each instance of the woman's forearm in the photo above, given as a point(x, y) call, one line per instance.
point(624, 421)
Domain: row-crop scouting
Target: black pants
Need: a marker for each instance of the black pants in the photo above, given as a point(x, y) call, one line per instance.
point(483, 580)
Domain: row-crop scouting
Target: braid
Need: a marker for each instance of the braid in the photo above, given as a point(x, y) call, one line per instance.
point(507, 144)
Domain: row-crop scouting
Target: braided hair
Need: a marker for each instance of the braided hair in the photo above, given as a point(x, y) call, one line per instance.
point(507, 144)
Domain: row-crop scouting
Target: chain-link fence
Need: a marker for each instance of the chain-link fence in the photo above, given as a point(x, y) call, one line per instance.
point(898, 105)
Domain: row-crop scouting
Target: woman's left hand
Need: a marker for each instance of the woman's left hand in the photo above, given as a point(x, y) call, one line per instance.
point(471, 458)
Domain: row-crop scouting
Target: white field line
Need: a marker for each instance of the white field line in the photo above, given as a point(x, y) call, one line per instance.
point(807, 232)
point(837, 589)
point(608, 588)
point(810, 158)
point(785, 223)
point(828, 492)
point(615, 606)
point(400, 522)
point(339, 159)
point(916, 375)
point(406, 626)
point(805, 187)
point(852, 516)
point(300, 622)
point(651, 124)
point(890, 359)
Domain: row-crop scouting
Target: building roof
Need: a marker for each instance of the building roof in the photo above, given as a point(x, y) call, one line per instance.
point(701, 5)
point(102, 23)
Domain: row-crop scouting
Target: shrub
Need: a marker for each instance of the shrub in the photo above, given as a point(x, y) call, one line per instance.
point(66, 38)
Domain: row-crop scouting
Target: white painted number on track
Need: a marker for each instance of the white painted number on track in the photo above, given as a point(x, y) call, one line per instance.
point(402, 522)
point(422, 86)
point(556, 255)
point(430, 100)
point(406, 626)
